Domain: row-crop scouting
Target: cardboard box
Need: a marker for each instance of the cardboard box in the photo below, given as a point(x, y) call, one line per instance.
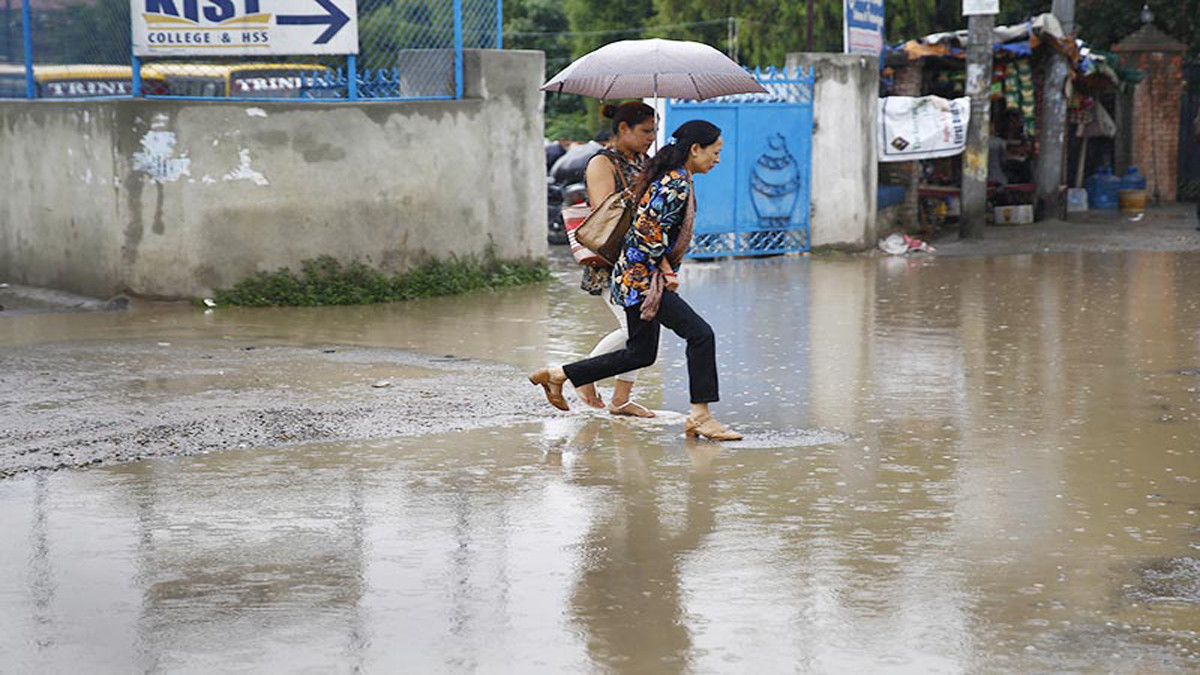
point(1014, 215)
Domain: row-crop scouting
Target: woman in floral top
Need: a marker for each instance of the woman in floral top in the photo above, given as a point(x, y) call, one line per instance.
point(644, 282)
point(610, 170)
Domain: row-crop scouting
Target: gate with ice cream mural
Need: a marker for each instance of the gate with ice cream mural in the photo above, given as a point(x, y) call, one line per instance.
point(757, 200)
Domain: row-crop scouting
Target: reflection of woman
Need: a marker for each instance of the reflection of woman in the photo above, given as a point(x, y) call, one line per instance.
point(644, 282)
point(612, 169)
point(628, 597)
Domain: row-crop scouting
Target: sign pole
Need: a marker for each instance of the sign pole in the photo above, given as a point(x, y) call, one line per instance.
point(458, 49)
point(975, 158)
point(136, 63)
point(352, 77)
point(27, 26)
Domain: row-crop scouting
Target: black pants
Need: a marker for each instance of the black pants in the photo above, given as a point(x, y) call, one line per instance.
point(642, 349)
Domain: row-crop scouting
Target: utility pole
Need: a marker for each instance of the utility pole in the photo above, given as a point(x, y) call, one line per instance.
point(1053, 123)
point(808, 14)
point(980, 28)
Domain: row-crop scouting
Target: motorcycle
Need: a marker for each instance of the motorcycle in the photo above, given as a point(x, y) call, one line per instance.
point(565, 187)
point(558, 197)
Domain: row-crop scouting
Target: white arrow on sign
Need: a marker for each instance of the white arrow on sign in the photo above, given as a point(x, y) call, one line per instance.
point(244, 27)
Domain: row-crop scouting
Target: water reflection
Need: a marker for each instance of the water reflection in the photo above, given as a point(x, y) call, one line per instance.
point(1006, 482)
point(628, 597)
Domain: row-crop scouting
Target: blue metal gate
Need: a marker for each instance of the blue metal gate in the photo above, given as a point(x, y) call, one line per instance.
point(756, 201)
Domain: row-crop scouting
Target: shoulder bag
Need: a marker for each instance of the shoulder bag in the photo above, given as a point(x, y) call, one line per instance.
point(603, 231)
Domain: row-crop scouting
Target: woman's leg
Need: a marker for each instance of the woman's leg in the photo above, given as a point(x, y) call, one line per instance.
point(610, 343)
point(619, 312)
point(639, 352)
point(676, 314)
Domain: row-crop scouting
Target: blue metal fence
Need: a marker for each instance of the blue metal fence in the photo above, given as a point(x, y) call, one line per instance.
point(757, 200)
point(408, 49)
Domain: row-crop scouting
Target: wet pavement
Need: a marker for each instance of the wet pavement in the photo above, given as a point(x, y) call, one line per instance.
point(984, 464)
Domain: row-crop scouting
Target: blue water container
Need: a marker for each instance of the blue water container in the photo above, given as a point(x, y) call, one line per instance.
point(1102, 189)
point(1133, 179)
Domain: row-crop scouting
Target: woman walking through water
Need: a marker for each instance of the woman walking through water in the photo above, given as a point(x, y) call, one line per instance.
point(644, 282)
point(616, 168)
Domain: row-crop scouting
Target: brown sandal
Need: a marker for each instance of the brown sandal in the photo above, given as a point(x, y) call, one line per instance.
point(631, 409)
point(553, 391)
point(710, 428)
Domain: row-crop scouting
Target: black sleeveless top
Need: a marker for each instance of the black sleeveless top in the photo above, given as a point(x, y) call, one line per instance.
point(596, 280)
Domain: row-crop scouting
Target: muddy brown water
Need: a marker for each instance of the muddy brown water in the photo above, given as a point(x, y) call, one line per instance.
point(955, 465)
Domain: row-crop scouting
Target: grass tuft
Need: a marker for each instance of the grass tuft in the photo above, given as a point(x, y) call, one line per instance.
point(326, 281)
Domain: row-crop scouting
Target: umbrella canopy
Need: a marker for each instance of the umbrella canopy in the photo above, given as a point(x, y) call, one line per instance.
point(654, 68)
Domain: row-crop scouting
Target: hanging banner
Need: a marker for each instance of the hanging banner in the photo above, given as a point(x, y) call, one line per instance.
point(980, 7)
point(922, 128)
point(862, 24)
point(244, 27)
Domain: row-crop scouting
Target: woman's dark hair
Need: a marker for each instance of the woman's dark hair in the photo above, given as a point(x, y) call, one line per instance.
point(675, 153)
point(632, 113)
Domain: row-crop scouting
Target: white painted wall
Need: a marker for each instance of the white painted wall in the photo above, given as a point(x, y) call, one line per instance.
point(845, 173)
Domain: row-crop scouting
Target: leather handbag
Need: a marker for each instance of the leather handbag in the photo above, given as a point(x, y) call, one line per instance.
point(603, 231)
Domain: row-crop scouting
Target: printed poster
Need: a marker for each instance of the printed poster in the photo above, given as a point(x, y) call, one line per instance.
point(922, 128)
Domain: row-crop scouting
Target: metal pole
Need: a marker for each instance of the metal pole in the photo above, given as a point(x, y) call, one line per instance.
point(975, 159)
point(729, 37)
point(458, 49)
point(1053, 123)
point(136, 63)
point(352, 77)
point(499, 24)
point(808, 12)
point(27, 26)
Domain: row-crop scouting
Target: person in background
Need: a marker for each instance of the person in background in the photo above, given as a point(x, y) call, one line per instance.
point(555, 150)
point(645, 284)
point(615, 167)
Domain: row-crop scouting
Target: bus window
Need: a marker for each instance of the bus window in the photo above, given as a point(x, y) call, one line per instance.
point(12, 85)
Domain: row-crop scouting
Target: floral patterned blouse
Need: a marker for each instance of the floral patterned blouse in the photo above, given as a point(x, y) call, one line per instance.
point(659, 216)
point(596, 280)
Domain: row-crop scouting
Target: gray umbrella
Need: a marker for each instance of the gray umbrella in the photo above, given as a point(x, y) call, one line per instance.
point(654, 68)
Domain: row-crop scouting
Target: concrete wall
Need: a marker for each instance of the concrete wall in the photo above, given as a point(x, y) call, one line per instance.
point(174, 199)
point(845, 176)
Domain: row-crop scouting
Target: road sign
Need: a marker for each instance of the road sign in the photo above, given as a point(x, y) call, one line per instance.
point(862, 25)
point(980, 7)
point(244, 27)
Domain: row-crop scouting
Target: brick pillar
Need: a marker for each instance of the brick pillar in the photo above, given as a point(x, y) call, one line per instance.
point(908, 81)
point(1156, 104)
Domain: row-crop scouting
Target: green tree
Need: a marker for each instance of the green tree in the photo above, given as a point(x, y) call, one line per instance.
point(95, 33)
point(543, 25)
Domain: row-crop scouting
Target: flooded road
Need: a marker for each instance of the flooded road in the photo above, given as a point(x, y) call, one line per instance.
point(951, 465)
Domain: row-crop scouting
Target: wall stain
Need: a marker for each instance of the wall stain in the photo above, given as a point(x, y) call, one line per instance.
point(134, 229)
point(314, 150)
point(272, 139)
point(158, 227)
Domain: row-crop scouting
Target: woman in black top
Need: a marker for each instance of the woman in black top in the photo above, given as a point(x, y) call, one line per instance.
point(614, 168)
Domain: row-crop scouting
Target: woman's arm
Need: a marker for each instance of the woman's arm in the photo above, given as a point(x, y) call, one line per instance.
point(601, 182)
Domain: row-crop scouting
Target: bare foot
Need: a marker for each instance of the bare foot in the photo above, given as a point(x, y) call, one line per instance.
point(590, 396)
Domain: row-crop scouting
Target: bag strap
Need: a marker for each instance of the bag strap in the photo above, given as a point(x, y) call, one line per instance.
point(617, 170)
